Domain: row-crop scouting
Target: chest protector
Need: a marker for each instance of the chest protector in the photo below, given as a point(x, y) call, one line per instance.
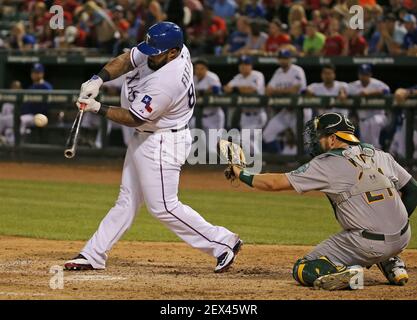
point(370, 179)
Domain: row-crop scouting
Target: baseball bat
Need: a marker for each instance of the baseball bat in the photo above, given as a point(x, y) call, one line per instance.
point(71, 146)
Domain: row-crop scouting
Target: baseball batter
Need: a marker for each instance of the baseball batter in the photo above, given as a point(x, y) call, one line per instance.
point(287, 79)
point(371, 121)
point(372, 197)
point(158, 100)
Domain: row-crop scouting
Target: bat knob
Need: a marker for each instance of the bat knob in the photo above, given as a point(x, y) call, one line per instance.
point(69, 153)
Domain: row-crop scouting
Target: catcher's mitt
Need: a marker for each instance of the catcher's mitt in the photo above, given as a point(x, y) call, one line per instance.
point(233, 154)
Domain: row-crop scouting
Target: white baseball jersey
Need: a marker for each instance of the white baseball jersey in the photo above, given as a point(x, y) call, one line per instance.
point(210, 80)
point(255, 79)
point(355, 88)
point(164, 98)
point(116, 83)
point(319, 89)
point(294, 76)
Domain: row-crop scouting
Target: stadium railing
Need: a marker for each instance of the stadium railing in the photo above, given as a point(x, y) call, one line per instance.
point(65, 100)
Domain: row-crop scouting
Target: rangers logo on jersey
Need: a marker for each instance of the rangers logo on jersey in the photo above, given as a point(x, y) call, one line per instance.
point(147, 101)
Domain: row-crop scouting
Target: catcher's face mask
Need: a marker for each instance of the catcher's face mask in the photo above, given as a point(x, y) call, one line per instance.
point(326, 125)
point(311, 138)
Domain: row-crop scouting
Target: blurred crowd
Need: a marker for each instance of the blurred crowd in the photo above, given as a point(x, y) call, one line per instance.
point(232, 27)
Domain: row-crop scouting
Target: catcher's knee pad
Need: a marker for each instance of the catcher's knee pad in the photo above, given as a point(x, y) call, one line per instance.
point(395, 270)
point(306, 271)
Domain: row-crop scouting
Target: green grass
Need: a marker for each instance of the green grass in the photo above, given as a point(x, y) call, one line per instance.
point(72, 211)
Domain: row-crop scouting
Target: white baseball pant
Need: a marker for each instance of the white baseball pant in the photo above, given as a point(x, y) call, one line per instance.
point(150, 176)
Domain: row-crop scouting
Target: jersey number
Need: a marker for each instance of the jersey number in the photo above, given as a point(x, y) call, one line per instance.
point(377, 197)
point(191, 97)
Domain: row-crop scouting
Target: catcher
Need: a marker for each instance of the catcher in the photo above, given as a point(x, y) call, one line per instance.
point(371, 194)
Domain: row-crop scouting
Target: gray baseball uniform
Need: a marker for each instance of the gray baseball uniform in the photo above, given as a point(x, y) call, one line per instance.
point(379, 211)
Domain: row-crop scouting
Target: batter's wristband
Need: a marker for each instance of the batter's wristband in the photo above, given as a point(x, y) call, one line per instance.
point(246, 177)
point(104, 75)
point(104, 108)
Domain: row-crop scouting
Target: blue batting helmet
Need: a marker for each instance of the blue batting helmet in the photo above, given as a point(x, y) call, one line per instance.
point(160, 38)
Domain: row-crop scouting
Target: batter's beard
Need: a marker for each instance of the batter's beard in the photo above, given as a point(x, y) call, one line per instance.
point(153, 66)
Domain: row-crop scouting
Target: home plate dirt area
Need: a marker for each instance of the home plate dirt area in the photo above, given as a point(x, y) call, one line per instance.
point(150, 270)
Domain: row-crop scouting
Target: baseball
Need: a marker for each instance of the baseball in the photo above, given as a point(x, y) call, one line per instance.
point(40, 120)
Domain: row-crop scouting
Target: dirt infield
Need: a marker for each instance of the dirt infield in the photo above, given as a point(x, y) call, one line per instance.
point(146, 270)
point(172, 271)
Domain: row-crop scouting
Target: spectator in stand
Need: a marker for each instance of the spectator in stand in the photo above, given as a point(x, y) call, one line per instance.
point(297, 36)
point(134, 24)
point(311, 6)
point(38, 19)
point(410, 5)
point(19, 39)
point(356, 44)
point(241, 7)
point(225, 9)
point(389, 37)
point(74, 38)
point(69, 5)
point(151, 15)
point(372, 15)
point(123, 42)
point(277, 9)
point(317, 19)
point(276, 38)
point(238, 38)
point(335, 42)
point(410, 39)
point(314, 41)
point(372, 121)
point(118, 14)
point(392, 36)
point(104, 27)
point(255, 9)
point(193, 5)
point(374, 39)
point(255, 41)
point(206, 32)
point(297, 13)
point(394, 7)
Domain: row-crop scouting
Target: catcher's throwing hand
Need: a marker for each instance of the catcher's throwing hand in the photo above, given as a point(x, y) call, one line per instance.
point(233, 154)
point(90, 88)
point(88, 104)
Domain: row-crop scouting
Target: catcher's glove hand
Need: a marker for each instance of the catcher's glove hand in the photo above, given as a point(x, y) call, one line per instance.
point(233, 154)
